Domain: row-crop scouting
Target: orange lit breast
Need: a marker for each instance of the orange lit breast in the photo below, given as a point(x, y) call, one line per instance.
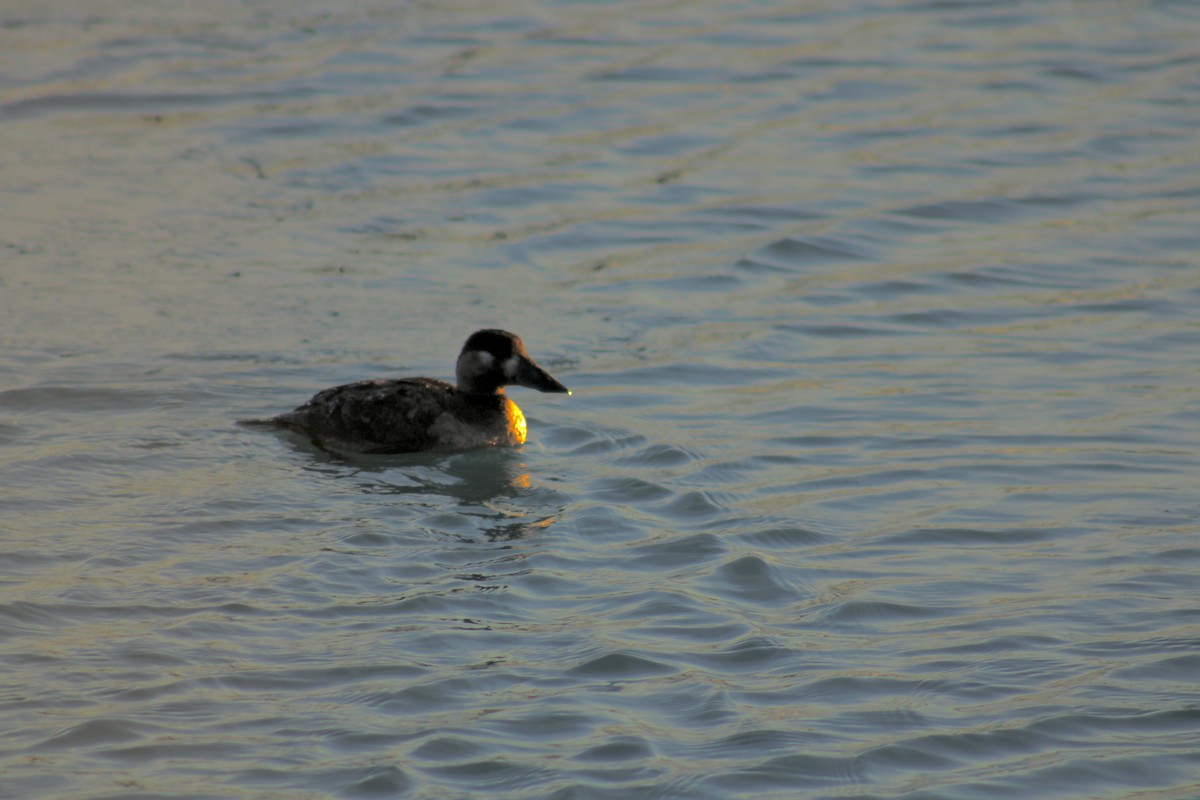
point(516, 423)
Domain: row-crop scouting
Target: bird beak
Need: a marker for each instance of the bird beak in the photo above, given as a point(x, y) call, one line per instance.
point(530, 375)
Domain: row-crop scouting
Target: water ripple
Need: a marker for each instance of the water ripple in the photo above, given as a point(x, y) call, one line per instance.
point(879, 475)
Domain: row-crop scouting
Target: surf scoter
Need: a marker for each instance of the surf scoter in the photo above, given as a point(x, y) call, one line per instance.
point(407, 415)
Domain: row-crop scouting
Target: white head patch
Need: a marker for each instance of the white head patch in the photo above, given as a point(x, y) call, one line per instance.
point(510, 367)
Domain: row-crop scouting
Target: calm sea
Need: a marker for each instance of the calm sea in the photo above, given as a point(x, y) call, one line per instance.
point(881, 477)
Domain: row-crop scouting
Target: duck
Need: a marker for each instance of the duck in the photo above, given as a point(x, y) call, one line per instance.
point(412, 415)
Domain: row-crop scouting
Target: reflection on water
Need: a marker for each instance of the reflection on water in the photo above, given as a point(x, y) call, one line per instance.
point(878, 479)
point(480, 485)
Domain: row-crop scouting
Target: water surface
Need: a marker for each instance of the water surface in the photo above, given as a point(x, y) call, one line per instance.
point(879, 478)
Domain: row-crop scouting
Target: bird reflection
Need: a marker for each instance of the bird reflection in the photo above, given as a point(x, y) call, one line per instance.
point(477, 484)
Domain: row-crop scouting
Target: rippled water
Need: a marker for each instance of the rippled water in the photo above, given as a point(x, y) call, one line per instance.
point(880, 475)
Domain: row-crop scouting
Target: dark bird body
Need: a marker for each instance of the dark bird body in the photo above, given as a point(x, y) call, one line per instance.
point(408, 415)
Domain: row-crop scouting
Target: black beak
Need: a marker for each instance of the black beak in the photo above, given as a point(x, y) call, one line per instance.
point(530, 375)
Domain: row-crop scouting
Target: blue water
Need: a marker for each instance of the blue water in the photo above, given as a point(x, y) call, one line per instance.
point(878, 480)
